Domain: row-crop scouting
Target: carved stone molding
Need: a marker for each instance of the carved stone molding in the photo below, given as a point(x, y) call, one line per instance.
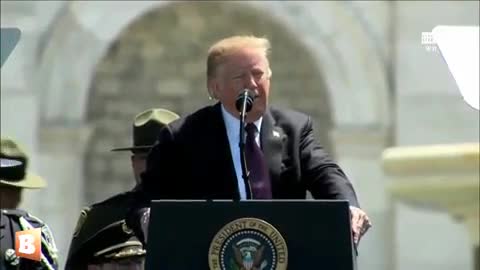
point(442, 177)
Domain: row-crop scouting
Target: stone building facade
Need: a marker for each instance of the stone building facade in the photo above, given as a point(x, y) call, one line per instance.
point(83, 69)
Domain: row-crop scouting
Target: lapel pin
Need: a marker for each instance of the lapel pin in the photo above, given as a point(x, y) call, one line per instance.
point(276, 134)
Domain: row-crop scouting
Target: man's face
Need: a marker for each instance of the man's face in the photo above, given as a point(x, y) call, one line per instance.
point(10, 197)
point(139, 163)
point(245, 68)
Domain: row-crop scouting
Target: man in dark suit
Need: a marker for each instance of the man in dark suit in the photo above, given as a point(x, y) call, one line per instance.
point(197, 156)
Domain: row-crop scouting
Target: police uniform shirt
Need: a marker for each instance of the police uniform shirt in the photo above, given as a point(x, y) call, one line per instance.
point(102, 239)
point(13, 220)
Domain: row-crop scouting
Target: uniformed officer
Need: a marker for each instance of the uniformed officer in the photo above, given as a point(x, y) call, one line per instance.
point(13, 179)
point(102, 239)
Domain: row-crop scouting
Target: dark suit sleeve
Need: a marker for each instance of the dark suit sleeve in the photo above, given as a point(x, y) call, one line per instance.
point(323, 177)
point(158, 179)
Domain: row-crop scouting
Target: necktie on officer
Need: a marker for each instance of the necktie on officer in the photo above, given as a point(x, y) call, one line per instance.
point(256, 164)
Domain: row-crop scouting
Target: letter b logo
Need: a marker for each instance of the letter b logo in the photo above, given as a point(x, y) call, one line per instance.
point(28, 244)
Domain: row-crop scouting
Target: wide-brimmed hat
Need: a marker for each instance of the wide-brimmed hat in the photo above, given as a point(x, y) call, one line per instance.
point(146, 127)
point(14, 167)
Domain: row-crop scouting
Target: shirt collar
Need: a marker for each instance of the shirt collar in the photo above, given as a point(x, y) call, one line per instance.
point(232, 123)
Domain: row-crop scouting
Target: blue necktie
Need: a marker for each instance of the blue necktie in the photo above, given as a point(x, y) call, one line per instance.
point(259, 178)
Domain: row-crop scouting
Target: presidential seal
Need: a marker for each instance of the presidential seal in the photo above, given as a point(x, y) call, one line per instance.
point(248, 244)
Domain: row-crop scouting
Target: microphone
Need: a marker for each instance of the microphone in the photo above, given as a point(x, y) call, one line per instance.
point(245, 100)
point(244, 104)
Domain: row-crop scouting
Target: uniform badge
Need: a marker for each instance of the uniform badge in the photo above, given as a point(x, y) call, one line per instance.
point(250, 244)
point(11, 258)
point(81, 221)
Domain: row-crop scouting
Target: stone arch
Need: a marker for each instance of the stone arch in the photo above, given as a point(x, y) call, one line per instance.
point(159, 61)
point(358, 97)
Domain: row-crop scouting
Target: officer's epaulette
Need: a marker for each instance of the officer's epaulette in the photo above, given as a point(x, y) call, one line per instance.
point(102, 214)
point(101, 229)
point(14, 212)
point(17, 213)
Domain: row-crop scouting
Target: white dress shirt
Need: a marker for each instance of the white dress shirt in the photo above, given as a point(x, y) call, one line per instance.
point(232, 125)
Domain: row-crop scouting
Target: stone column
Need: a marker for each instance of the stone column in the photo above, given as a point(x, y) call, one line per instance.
point(442, 177)
point(358, 151)
point(61, 156)
point(476, 255)
point(19, 99)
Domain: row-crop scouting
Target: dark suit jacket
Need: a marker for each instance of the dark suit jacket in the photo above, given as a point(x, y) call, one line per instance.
point(193, 161)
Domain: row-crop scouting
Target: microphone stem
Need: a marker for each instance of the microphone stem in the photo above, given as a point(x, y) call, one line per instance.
point(242, 143)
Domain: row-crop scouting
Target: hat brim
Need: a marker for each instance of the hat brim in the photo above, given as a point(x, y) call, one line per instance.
point(31, 181)
point(132, 148)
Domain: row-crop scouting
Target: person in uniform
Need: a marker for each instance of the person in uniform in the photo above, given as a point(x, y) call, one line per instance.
point(108, 236)
point(14, 177)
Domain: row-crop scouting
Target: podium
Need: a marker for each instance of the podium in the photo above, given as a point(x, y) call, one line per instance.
point(250, 235)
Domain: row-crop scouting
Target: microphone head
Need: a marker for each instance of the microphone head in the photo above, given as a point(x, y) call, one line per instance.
point(247, 95)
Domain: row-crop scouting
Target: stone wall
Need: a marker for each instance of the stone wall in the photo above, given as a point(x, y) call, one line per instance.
point(430, 111)
point(159, 61)
point(71, 48)
point(79, 68)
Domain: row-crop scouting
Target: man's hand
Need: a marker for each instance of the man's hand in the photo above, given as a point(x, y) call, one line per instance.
point(360, 223)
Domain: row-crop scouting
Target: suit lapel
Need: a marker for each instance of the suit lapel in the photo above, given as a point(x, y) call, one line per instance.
point(272, 145)
point(227, 177)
